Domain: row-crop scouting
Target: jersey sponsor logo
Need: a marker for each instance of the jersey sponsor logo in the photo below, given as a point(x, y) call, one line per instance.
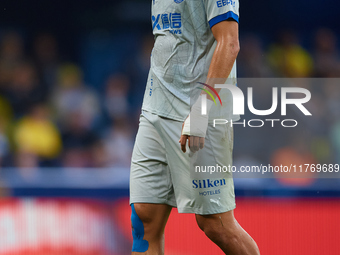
point(208, 183)
point(209, 193)
point(171, 21)
point(178, 1)
point(221, 3)
point(155, 21)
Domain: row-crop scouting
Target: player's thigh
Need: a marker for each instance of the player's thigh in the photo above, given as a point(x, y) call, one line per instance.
point(212, 182)
point(150, 180)
point(201, 185)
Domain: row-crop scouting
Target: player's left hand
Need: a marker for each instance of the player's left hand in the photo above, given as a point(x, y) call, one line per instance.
point(195, 142)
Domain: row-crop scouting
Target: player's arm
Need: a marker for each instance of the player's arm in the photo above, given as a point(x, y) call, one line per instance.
point(227, 37)
point(226, 51)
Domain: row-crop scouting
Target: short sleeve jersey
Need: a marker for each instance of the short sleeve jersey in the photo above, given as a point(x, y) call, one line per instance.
point(182, 53)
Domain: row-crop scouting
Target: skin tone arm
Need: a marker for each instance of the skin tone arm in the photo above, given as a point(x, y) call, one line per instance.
point(226, 35)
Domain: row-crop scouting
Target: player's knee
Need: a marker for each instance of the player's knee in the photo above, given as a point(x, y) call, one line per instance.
point(143, 214)
point(207, 223)
point(139, 244)
point(222, 236)
point(152, 222)
point(216, 231)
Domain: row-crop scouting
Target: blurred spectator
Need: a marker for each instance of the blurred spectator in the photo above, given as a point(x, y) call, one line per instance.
point(4, 146)
point(119, 143)
point(143, 58)
point(288, 58)
point(47, 58)
point(100, 155)
point(141, 65)
point(6, 112)
point(251, 59)
point(24, 159)
point(138, 72)
point(11, 53)
point(77, 140)
point(72, 98)
point(115, 100)
point(326, 55)
point(76, 132)
point(35, 134)
point(24, 90)
point(27, 163)
point(295, 154)
point(76, 157)
point(5, 123)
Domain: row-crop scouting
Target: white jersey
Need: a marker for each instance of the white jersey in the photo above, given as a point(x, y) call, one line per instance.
point(182, 53)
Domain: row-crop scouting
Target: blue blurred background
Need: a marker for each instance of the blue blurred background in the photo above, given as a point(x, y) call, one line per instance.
point(72, 79)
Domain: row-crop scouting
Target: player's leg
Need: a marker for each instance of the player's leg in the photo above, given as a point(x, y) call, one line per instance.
point(224, 231)
point(210, 195)
point(151, 190)
point(148, 223)
point(218, 222)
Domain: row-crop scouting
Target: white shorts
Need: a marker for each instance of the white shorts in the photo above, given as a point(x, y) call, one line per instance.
point(194, 183)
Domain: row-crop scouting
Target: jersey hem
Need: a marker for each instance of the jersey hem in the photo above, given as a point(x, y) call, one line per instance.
point(222, 17)
point(152, 200)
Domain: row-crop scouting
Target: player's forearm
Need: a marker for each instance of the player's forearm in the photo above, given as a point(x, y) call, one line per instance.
point(223, 60)
point(221, 65)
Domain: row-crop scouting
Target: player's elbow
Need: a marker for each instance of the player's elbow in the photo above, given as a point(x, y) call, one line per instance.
point(230, 45)
point(234, 46)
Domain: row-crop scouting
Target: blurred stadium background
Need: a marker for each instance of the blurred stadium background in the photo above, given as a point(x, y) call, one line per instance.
point(72, 78)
